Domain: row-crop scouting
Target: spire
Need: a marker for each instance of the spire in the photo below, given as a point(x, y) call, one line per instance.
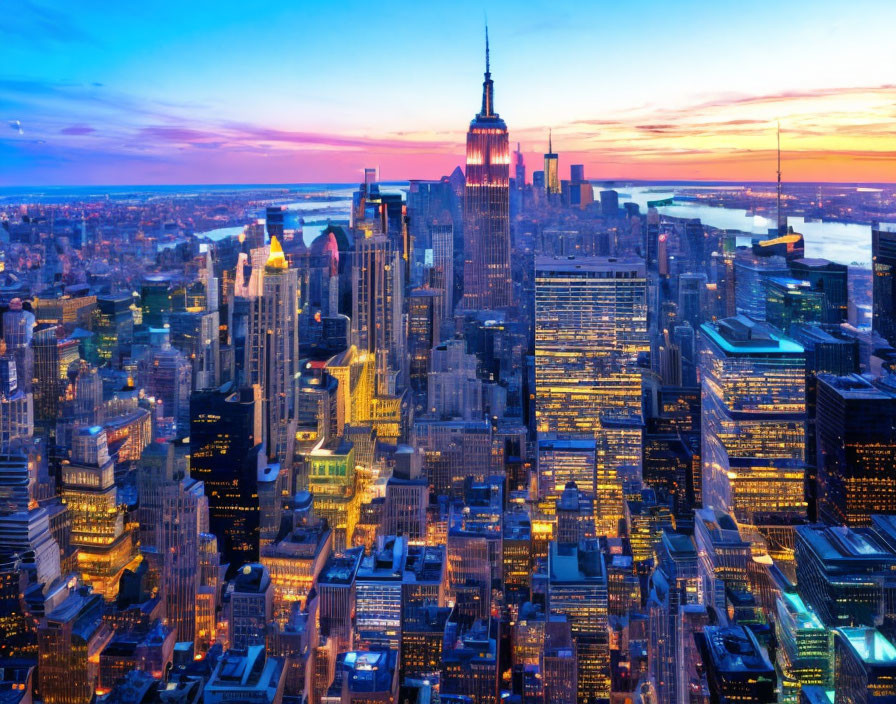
point(550, 143)
point(782, 226)
point(276, 259)
point(487, 71)
point(488, 88)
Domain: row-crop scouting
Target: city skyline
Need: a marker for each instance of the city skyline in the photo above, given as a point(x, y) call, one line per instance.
point(232, 97)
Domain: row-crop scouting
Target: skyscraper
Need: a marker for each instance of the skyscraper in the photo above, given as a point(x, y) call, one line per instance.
point(883, 271)
point(377, 303)
point(856, 431)
point(590, 327)
point(551, 169)
point(225, 438)
point(487, 280)
point(754, 419)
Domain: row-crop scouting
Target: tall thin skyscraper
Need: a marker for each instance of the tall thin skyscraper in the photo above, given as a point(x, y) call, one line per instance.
point(487, 281)
point(520, 168)
point(273, 353)
point(551, 169)
point(883, 268)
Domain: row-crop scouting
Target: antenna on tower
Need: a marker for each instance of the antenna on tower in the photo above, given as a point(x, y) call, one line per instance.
point(550, 143)
point(778, 214)
point(486, 48)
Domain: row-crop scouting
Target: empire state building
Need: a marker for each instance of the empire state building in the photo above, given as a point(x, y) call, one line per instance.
point(487, 280)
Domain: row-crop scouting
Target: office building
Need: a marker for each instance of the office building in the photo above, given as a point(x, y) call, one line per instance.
point(590, 327)
point(737, 668)
point(577, 589)
point(105, 543)
point(272, 352)
point(845, 575)
point(856, 434)
point(251, 606)
point(754, 420)
point(248, 675)
point(487, 280)
point(865, 666)
point(225, 443)
point(883, 270)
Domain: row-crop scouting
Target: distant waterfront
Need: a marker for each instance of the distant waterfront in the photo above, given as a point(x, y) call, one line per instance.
point(849, 243)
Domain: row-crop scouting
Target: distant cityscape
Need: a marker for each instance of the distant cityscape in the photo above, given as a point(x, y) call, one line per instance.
point(510, 435)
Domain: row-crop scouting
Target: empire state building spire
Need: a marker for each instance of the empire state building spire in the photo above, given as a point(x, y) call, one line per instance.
point(487, 280)
point(488, 87)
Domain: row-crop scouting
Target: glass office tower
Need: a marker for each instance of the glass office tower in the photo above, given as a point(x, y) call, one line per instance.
point(590, 328)
point(754, 418)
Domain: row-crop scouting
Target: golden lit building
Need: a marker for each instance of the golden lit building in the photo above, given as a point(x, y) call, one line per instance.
point(590, 327)
point(335, 486)
point(753, 421)
point(105, 545)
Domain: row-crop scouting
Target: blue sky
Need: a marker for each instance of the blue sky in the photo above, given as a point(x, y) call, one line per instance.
point(100, 92)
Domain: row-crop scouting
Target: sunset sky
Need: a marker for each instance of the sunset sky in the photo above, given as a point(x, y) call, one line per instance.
point(93, 92)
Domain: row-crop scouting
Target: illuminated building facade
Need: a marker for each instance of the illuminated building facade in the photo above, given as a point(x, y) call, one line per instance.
point(516, 557)
point(845, 575)
point(865, 666)
point(272, 353)
point(562, 460)
point(470, 661)
point(52, 356)
point(754, 420)
point(551, 170)
point(723, 557)
point(487, 280)
point(577, 589)
point(806, 655)
point(294, 563)
point(737, 668)
point(378, 591)
point(106, 546)
point(69, 641)
point(831, 280)
point(337, 489)
point(377, 305)
point(792, 302)
point(424, 322)
point(251, 606)
point(590, 328)
point(336, 595)
point(883, 271)
point(225, 440)
point(170, 504)
point(856, 433)
point(750, 275)
point(453, 450)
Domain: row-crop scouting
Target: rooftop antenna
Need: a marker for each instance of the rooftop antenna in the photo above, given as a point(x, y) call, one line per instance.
point(780, 228)
point(550, 143)
point(487, 70)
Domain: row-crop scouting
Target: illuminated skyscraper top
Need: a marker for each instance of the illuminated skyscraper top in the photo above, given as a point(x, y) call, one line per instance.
point(487, 282)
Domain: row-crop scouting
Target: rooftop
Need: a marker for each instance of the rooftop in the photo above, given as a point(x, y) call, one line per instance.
point(734, 649)
point(870, 645)
point(741, 335)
